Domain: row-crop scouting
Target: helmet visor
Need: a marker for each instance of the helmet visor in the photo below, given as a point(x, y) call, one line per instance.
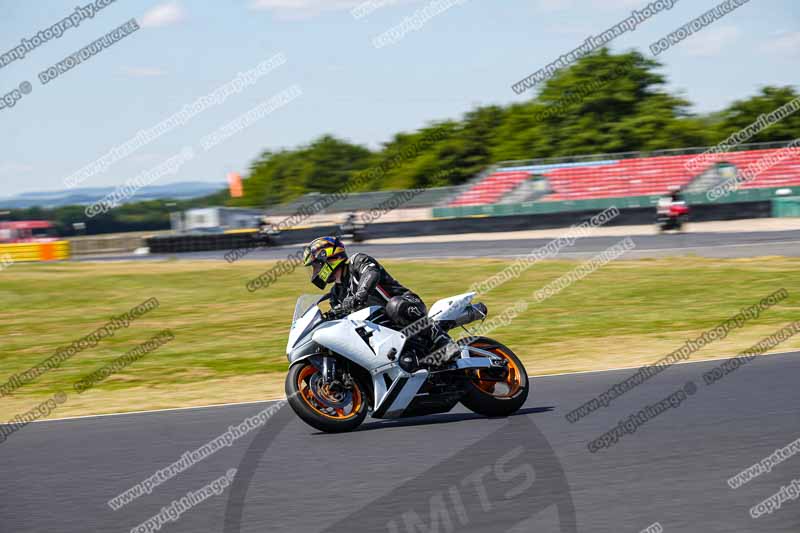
point(319, 273)
point(308, 257)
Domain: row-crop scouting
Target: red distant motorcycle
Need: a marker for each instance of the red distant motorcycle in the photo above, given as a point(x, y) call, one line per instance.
point(672, 216)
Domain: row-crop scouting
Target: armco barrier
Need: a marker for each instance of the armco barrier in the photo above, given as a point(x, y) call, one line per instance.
point(224, 242)
point(106, 244)
point(36, 251)
point(786, 207)
point(199, 243)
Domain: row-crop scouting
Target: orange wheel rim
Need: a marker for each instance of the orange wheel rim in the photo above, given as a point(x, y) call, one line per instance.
point(309, 396)
point(510, 385)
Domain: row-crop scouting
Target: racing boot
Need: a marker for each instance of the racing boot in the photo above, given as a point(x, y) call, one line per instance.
point(442, 350)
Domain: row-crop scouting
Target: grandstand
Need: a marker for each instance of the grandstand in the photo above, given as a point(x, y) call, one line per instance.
point(624, 175)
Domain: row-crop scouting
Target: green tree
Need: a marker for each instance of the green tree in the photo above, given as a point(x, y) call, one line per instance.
point(742, 113)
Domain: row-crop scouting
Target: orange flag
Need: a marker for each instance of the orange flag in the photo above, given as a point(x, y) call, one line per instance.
point(235, 185)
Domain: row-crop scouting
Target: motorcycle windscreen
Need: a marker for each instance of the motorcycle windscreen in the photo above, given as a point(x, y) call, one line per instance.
point(306, 316)
point(304, 303)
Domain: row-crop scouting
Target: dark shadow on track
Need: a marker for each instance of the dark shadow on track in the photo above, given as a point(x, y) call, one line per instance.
point(438, 419)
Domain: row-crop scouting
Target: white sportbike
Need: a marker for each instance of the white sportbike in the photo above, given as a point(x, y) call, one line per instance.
point(343, 366)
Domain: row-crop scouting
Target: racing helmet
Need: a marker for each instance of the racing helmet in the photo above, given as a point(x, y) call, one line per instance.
point(324, 255)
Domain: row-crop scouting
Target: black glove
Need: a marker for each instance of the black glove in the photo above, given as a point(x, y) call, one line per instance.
point(349, 304)
point(355, 302)
point(334, 314)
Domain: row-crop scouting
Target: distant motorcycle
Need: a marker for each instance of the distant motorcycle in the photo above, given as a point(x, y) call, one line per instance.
point(353, 230)
point(267, 234)
point(343, 366)
point(672, 216)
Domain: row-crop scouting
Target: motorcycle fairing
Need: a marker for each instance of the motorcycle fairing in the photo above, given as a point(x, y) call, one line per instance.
point(302, 327)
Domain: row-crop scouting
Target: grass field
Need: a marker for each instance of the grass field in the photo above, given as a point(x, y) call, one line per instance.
point(229, 343)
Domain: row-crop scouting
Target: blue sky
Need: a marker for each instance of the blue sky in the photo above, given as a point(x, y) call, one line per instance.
point(468, 55)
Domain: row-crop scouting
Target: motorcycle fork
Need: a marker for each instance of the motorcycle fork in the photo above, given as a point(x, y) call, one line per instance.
point(329, 368)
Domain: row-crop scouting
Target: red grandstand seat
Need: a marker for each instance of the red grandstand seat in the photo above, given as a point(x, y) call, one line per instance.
point(633, 177)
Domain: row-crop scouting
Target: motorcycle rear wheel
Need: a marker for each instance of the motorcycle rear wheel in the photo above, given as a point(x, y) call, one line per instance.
point(490, 393)
point(319, 407)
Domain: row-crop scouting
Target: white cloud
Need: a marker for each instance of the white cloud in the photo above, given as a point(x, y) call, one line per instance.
point(711, 41)
point(163, 15)
point(143, 72)
point(786, 43)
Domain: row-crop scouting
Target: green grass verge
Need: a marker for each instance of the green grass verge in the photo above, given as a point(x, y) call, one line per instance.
point(629, 312)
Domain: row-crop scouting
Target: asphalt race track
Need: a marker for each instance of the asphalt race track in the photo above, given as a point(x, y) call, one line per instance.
point(454, 472)
point(721, 245)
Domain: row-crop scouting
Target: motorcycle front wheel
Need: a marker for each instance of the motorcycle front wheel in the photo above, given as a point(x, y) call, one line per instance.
point(319, 406)
point(497, 392)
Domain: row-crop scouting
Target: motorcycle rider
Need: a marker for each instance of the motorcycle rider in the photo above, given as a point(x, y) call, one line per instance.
point(350, 221)
point(673, 196)
point(360, 281)
point(671, 209)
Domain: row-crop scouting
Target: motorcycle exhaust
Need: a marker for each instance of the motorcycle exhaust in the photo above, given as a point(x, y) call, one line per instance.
point(471, 314)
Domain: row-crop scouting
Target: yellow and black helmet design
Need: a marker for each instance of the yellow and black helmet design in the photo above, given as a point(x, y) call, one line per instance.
point(324, 255)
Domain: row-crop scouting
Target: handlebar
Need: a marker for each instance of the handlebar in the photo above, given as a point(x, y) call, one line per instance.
point(335, 313)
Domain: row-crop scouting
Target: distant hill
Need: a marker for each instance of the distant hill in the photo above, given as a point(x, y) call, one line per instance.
point(84, 196)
